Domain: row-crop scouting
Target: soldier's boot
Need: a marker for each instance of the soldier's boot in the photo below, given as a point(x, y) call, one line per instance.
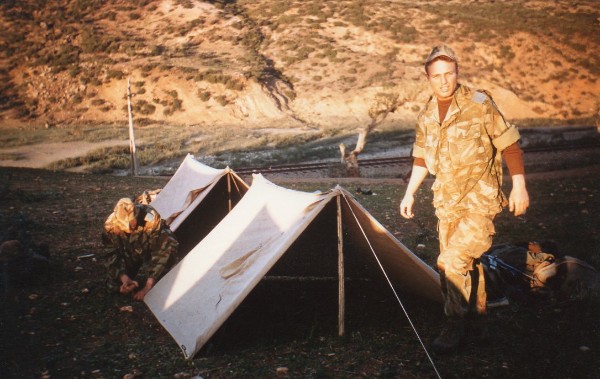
point(451, 336)
point(477, 328)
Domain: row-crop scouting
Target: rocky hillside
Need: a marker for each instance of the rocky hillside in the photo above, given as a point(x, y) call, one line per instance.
point(287, 63)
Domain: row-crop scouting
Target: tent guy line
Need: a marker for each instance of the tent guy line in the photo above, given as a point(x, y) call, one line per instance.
point(387, 278)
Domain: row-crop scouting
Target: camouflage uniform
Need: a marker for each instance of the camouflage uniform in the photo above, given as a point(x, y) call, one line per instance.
point(138, 236)
point(463, 153)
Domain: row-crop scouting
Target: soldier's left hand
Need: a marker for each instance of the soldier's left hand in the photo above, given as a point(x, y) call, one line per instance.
point(139, 295)
point(518, 201)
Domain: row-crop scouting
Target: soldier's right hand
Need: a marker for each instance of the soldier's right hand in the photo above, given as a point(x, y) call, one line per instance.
point(128, 286)
point(406, 206)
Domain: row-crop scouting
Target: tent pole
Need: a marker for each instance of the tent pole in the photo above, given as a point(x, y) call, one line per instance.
point(229, 189)
point(341, 288)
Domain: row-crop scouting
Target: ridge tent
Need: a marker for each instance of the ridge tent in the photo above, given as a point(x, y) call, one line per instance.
point(196, 198)
point(271, 226)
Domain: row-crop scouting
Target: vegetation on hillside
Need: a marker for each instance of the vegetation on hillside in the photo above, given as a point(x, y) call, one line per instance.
point(235, 71)
point(61, 59)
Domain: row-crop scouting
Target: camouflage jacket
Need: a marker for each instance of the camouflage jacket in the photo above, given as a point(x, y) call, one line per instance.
point(463, 153)
point(152, 242)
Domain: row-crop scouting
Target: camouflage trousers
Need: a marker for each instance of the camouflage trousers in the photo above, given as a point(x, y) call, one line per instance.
point(462, 242)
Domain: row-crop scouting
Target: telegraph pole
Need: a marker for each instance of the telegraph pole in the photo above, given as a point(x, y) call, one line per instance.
point(133, 157)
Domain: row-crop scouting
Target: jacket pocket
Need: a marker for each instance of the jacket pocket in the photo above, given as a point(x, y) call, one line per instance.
point(466, 146)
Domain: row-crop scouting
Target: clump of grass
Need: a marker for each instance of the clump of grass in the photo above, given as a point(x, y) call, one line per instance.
point(215, 76)
point(144, 107)
point(115, 74)
point(506, 53)
point(172, 104)
point(204, 95)
point(222, 99)
point(107, 157)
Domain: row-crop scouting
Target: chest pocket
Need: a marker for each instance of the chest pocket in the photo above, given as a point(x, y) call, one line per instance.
point(466, 144)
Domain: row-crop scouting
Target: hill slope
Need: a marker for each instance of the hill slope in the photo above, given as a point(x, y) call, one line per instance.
point(287, 63)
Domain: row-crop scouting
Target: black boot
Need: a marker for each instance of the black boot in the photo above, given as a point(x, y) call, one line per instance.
point(450, 337)
point(477, 328)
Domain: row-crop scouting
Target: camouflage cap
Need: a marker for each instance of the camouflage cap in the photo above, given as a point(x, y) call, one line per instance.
point(440, 51)
point(125, 213)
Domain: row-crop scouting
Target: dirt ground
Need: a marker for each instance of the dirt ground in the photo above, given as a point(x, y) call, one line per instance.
point(43, 154)
point(62, 323)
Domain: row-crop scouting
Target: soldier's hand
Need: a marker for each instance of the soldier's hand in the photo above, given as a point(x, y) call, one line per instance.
point(406, 206)
point(128, 286)
point(139, 295)
point(518, 201)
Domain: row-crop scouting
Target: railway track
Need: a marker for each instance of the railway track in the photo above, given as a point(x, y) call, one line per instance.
point(402, 160)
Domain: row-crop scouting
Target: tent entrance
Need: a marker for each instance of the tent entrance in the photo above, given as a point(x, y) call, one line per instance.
point(216, 204)
point(299, 297)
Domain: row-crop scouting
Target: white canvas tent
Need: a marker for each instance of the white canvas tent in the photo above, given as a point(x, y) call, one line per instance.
point(196, 198)
point(196, 297)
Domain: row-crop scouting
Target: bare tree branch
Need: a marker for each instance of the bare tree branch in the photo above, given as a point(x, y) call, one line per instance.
point(383, 105)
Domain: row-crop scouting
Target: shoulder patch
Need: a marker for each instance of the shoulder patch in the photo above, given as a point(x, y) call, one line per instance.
point(149, 217)
point(479, 97)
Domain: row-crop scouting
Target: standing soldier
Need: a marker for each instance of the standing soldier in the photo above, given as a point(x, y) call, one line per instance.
point(139, 238)
point(459, 138)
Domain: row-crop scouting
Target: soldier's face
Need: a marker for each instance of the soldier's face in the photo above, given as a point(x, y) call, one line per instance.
point(443, 78)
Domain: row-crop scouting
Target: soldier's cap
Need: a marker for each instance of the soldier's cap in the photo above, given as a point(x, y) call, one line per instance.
point(440, 51)
point(125, 212)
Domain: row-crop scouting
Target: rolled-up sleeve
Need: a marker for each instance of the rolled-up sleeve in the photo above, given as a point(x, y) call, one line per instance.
point(418, 150)
point(504, 140)
point(503, 134)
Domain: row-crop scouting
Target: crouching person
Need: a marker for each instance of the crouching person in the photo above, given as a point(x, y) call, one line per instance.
point(142, 244)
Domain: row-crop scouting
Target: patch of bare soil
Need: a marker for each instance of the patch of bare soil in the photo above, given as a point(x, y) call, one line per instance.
point(63, 323)
point(43, 154)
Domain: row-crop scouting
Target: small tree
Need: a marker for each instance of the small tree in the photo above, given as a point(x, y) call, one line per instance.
point(383, 104)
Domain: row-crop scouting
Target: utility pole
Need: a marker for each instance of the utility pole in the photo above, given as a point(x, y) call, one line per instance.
point(133, 157)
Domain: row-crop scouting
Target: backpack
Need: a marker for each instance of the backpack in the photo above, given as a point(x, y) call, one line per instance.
point(513, 270)
point(519, 271)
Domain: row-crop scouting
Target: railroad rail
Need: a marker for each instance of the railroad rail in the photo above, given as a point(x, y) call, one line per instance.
point(395, 161)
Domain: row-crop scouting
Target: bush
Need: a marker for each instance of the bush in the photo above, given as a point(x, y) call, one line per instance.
point(506, 53)
point(145, 108)
point(222, 99)
point(74, 71)
point(204, 95)
point(68, 55)
point(235, 85)
point(77, 98)
point(115, 74)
